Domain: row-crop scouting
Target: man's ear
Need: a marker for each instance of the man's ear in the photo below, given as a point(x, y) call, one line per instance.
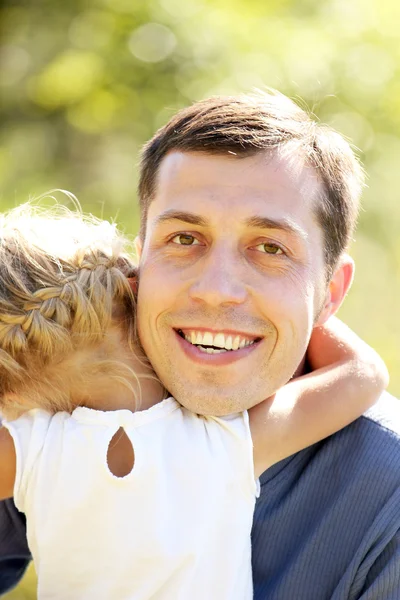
point(138, 247)
point(338, 287)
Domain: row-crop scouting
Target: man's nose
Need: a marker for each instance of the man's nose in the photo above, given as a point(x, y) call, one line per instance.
point(220, 280)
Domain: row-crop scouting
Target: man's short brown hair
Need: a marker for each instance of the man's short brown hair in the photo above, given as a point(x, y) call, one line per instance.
point(267, 121)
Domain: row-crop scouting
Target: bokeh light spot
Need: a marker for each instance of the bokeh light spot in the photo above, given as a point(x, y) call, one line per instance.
point(67, 79)
point(14, 63)
point(152, 42)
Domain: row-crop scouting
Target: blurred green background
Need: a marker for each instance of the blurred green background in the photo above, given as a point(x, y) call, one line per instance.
point(85, 83)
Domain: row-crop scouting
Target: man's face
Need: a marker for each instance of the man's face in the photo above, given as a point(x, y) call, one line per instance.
point(232, 277)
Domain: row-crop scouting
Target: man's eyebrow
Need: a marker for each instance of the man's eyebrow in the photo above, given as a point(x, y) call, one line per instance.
point(256, 222)
point(286, 225)
point(178, 215)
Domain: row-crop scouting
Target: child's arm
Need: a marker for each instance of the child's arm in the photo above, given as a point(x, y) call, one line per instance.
point(7, 464)
point(348, 377)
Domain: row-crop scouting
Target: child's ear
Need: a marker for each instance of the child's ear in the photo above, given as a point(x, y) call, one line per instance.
point(138, 247)
point(338, 287)
point(133, 282)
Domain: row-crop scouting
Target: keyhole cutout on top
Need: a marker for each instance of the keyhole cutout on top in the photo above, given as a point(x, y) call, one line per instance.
point(120, 454)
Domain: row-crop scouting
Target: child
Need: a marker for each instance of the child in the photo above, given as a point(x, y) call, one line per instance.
point(127, 494)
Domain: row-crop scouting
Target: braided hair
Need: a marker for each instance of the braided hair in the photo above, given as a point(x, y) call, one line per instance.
point(62, 275)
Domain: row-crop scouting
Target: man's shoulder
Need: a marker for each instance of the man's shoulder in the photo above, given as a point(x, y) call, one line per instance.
point(370, 446)
point(334, 506)
point(376, 434)
point(365, 455)
point(384, 418)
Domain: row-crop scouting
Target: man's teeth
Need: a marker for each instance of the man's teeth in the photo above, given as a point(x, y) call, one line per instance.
point(221, 342)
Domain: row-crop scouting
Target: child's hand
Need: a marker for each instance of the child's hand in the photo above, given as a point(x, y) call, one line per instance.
point(326, 345)
point(334, 342)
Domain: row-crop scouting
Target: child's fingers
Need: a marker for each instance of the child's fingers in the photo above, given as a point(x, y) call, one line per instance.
point(335, 342)
point(332, 342)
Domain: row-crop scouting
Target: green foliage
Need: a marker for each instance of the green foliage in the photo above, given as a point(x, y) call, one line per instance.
point(85, 82)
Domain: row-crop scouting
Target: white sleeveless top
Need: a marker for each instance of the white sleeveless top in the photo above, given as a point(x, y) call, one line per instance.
point(177, 527)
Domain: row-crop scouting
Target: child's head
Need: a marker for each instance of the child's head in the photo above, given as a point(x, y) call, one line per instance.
point(67, 310)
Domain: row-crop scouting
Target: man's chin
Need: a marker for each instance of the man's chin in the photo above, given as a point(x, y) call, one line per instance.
point(212, 403)
point(210, 411)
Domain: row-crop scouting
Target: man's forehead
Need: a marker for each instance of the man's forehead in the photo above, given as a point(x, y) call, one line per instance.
point(280, 181)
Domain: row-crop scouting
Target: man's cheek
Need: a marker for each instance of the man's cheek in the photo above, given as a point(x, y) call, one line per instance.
point(156, 298)
point(293, 318)
point(288, 307)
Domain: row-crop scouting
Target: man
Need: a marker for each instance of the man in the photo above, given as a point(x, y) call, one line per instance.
point(247, 208)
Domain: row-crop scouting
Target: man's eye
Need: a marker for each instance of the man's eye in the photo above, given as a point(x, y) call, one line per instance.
point(269, 249)
point(184, 239)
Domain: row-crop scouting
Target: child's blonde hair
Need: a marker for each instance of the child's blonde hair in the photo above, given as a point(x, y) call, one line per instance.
point(63, 282)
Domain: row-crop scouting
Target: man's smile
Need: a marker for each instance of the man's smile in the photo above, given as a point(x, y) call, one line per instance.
point(217, 341)
point(216, 347)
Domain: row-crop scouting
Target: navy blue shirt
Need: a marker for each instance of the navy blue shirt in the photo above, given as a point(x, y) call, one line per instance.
point(326, 526)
